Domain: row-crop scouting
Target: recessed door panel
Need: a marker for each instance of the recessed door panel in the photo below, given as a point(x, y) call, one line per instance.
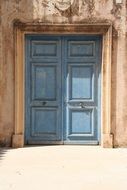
point(44, 122)
point(44, 82)
point(81, 82)
point(44, 49)
point(81, 49)
point(84, 126)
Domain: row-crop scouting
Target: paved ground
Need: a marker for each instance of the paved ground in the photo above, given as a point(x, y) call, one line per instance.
point(63, 168)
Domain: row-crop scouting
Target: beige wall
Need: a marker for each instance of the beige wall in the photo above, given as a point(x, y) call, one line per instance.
point(81, 12)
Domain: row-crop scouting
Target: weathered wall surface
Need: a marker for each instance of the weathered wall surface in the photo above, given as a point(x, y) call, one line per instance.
point(50, 11)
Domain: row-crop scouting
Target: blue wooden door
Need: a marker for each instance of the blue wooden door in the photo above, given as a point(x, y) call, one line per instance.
point(82, 98)
point(62, 89)
point(43, 90)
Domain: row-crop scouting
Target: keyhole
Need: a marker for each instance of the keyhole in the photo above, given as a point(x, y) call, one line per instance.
point(43, 103)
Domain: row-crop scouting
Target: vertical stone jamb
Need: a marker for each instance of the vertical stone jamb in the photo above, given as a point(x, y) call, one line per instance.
point(107, 137)
point(18, 137)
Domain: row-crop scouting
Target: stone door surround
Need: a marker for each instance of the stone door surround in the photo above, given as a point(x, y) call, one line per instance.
point(20, 29)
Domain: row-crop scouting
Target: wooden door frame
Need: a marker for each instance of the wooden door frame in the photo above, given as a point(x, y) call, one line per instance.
point(20, 29)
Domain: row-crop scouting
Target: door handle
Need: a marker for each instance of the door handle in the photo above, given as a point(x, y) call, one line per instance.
point(87, 106)
point(82, 105)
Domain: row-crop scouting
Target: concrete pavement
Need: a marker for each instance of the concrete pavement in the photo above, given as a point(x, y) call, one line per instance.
point(63, 168)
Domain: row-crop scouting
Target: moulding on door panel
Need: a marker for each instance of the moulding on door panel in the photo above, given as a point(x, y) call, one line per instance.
point(20, 29)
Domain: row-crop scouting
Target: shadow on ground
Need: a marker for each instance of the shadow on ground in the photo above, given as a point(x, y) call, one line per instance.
point(3, 151)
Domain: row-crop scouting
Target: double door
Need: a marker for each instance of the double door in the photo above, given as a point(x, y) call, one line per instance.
point(62, 89)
